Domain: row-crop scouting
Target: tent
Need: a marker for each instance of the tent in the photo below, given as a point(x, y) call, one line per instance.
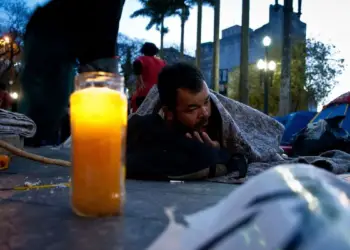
point(337, 107)
point(293, 123)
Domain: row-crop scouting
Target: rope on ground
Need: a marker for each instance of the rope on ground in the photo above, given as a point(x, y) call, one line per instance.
point(19, 152)
point(26, 188)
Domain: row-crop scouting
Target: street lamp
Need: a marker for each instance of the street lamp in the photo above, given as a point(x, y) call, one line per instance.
point(267, 41)
point(265, 66)
point(14, 95)
point(7, 39)
point(267, 69)
point(261, 64)
point(271, 66)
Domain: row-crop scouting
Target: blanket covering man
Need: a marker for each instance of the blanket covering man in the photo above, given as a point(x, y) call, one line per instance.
point(244, 130)
point(201, 134)
point(249, 140)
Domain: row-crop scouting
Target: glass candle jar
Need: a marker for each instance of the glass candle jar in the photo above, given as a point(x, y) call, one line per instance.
point(98, 113)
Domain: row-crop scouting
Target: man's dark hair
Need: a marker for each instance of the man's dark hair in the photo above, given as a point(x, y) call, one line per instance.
point(149, 49)
point(177, 76)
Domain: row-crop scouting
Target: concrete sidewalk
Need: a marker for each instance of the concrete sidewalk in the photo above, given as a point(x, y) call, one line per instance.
point(42, 219)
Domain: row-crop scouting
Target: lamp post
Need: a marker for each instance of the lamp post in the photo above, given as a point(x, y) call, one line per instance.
point(266, 67)
point(266, 42)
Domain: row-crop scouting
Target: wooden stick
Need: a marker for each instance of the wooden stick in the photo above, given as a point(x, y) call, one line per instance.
point(19, 152)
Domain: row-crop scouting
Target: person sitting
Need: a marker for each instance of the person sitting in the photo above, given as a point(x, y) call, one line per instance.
point(146, 68)
point(183, 131)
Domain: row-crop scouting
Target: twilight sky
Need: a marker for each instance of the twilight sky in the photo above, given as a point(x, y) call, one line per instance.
point(325, 22)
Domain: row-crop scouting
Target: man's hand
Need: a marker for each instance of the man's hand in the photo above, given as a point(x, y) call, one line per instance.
point(203, 138)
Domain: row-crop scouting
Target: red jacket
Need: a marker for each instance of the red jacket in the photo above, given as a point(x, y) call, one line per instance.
point(151, 66)
point(133, 103)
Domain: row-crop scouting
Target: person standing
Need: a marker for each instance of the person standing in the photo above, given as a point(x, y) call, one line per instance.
point(146, 68)
point(59, 36)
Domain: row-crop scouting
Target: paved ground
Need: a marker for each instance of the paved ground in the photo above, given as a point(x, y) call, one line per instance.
point(42, 219)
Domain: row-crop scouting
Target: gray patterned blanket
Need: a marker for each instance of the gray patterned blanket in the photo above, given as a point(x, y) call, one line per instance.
point(16, 123)
point(245, 130)
point(335, 161)
point(249, 131)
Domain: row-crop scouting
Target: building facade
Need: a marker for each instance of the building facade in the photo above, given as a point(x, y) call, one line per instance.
point(230, 43)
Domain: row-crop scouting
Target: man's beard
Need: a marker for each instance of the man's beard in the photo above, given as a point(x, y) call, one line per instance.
point(201, 124)
point(182, 128)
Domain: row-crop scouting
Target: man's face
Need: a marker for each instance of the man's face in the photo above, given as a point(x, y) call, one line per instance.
point(192, 109)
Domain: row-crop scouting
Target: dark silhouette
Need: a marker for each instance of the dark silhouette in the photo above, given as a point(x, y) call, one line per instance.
point(57, 36)
point(244, 58)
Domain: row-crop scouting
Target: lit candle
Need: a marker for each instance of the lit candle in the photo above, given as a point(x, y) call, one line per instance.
point(98, 125)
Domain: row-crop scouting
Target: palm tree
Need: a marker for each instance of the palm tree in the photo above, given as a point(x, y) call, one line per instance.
point(182, 9)
point(185, 13)
point(216, 50)
point(244, 64)
point(199, 32)
point(285, 89)
point(199, 26)
point(157, 11)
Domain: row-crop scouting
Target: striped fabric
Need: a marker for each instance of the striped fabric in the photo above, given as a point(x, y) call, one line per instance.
point(16, 123)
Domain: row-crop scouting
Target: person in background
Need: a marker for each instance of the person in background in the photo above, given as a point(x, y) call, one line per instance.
point(5, 98)
point(146, 68)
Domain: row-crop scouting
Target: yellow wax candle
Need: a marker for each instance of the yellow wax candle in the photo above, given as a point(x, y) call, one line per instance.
point(98, 125)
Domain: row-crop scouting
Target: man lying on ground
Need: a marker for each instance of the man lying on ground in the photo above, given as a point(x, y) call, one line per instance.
point(183, 130)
